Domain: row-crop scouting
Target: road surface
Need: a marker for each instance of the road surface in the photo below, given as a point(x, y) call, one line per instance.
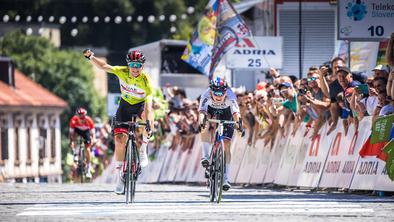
point(158, 202)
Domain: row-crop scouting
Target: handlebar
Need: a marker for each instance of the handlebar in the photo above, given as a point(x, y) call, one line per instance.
point(131, 123)
point(221, 121)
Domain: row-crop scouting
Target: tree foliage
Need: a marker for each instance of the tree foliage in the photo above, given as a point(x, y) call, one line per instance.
point(116, 37)
point(63, 72)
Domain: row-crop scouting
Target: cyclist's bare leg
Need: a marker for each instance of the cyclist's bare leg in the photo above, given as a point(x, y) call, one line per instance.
point(120, 147)
point(206, 142)
point(120, 144)
point(88, 152)
point(73, 137)
point(143, 149)
point(227, 151)
point(145, 136)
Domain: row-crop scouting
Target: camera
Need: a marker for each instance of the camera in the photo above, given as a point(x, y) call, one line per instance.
point(302, 91)
point(329, 67)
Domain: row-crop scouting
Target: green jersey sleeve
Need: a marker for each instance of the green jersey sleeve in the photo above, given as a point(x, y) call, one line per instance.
point(149, 88)
point(119, 71)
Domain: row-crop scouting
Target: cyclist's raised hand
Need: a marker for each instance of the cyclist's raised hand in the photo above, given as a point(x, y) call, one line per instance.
point(88, 53)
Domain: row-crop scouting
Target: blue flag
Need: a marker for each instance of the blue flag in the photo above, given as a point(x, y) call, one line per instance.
point(230, 30)
point(198, 51)
point(220, 29)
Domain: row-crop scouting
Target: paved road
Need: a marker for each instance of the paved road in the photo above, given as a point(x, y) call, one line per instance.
point(92, 202)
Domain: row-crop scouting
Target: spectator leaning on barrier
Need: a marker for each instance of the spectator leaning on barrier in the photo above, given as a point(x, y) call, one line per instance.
point(346, 81)
point(364, 102)
point(318, 103)
point(331, 86)
point(291, 104)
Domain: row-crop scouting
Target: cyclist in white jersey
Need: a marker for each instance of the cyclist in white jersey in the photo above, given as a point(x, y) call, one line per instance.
point(219, 102)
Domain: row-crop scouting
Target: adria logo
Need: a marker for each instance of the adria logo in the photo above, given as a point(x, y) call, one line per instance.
point(245, 43)
point(353, 144)
point(335, 145)
point(314, 149)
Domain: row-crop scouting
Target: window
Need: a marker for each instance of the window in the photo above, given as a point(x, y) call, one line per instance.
point(16, 143)
point(3, 145)
point(53, 143)
point(42, 148)
point(29, 145)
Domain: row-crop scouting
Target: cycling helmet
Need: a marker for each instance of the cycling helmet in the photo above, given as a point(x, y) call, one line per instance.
point(218, 84)
point(81, 111)
point(135, 56)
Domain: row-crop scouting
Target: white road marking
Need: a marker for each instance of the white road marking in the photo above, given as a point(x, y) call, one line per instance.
point(328, 208)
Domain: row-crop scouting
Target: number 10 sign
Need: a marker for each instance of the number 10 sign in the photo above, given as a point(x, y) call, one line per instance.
point(365, 20)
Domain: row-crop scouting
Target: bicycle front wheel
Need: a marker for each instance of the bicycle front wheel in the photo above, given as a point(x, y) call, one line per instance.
point(135, 171)
point(129, 176)
point(81, 162)
point(219, 172)
point(216, 173)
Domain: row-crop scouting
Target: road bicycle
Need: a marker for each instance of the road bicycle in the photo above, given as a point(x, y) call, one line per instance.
point(215, 169)
point(81, 165)
point(131, 166)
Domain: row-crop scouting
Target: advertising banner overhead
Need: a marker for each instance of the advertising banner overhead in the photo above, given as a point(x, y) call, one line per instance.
point(256, 53)
point(362, 20)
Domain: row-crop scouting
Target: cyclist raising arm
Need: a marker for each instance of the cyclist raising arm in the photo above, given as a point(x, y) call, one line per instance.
point(136, 99)
point(82, 125)
point(219, 101)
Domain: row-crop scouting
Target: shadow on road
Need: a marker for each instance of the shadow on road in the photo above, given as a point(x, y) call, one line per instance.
point(313, 197)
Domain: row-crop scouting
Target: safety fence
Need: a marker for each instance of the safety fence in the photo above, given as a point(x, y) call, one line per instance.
point(329, 161)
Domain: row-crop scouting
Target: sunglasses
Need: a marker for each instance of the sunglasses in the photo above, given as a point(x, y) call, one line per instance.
point(311, 79)
point(218, 93)
point(283, 91)
point(136, 65)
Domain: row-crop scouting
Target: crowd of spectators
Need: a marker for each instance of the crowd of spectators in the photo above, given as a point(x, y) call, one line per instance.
point(329, 93)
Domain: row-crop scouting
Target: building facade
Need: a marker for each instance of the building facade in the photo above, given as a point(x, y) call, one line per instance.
point(30, 137)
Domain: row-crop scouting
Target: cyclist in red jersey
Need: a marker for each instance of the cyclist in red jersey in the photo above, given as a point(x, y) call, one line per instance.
point(81, 124)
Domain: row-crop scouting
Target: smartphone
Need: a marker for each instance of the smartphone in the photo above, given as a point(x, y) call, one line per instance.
point(277, 101)
point(363, 88)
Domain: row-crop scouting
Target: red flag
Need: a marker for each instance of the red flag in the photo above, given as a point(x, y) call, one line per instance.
point(376, 149)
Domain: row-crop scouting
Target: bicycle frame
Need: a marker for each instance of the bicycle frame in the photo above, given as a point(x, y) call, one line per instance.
point(217, 161)
point(81, 157)
point(131, 166)
point(219, 130)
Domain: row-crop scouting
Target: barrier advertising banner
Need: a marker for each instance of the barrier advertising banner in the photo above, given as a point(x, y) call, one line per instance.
point(275, 157)
point(367, 172)
point(256, 53)
point(315, 159)
point(300, 156)
point(343, 156)
point(238, 148)
point(262, 161)
point(295, 160)
point(288, 160)
point(247, 166)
